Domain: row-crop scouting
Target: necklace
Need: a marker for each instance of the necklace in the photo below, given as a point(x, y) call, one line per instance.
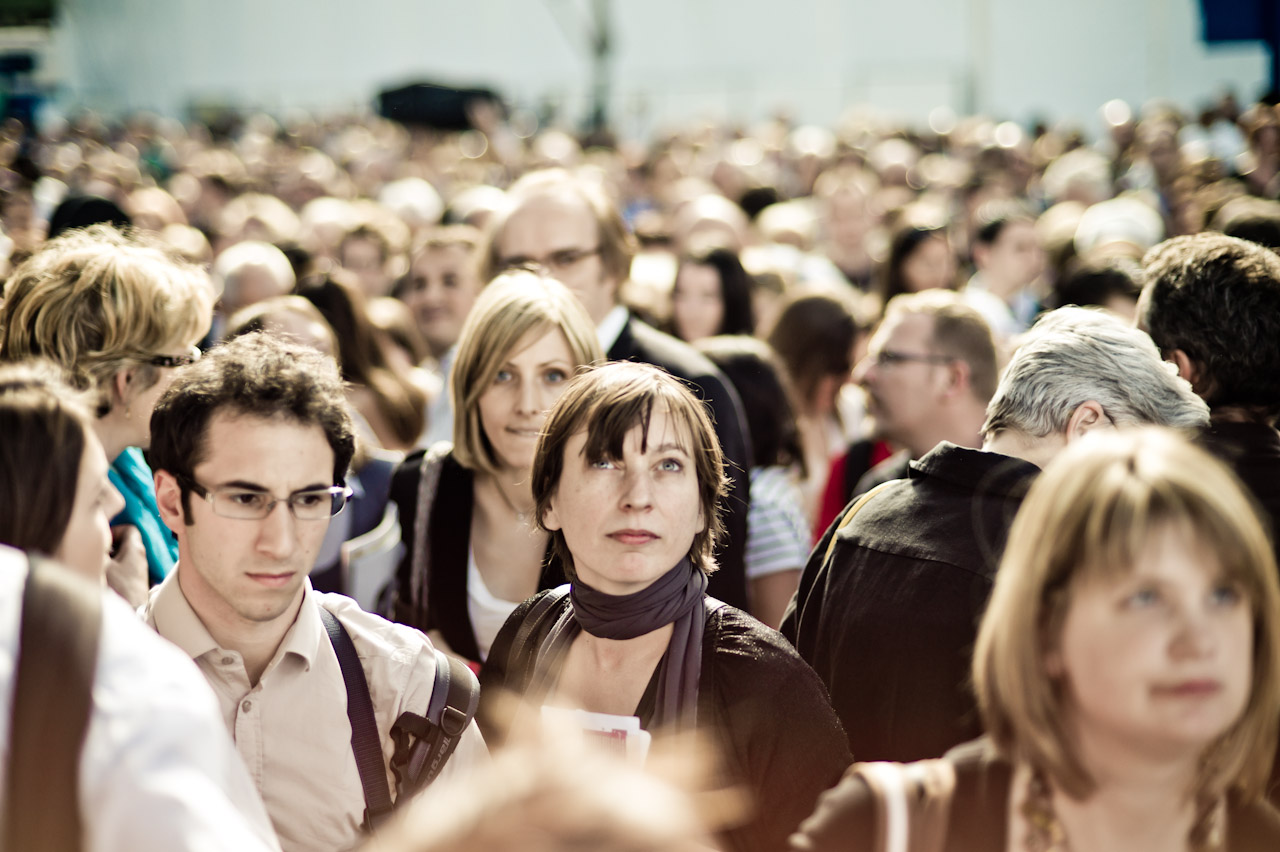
point(521, 517)
point(1045, 832)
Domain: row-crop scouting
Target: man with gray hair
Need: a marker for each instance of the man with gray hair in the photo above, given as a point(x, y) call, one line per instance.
point(888, 606)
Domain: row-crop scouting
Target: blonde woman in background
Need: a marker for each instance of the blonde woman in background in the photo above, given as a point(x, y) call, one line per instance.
point(1126, 668)
point(119, 314)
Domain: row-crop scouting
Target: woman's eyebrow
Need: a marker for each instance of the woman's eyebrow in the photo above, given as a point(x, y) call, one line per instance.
point(669, 447)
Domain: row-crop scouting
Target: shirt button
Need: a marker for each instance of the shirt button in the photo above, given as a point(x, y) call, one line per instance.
point(226, 661)
point(246, 705)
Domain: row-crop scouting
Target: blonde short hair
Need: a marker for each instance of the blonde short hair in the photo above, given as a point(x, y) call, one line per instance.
point(513, 306)
point(96, 301)
point(1092, 512)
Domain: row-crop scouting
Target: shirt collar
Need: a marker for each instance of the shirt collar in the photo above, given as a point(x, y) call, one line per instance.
point(610, 328)
point(176, 621)
point(975, 470)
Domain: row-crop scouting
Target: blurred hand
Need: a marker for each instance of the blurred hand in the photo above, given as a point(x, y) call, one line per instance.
point(127, 570)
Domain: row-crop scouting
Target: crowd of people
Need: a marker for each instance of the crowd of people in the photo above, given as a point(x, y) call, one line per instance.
point(752, 488)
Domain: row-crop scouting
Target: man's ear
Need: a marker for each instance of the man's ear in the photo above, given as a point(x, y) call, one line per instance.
point(1089, 415)
point(169, 501)
point(1189, 370)
point(958, 377)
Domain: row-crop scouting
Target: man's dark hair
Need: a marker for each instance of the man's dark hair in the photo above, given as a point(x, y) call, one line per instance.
point(1217, 298)
point(1254, 219)
point(1096, 282)
point(259, 375)
point(994, 217)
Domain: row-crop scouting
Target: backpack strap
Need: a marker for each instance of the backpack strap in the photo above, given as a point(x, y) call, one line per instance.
point(423, 744)
point(508, 647)
point(365, 742)
point(853, 510)
point(52, 701)
point(913, 803)
point(420, 557)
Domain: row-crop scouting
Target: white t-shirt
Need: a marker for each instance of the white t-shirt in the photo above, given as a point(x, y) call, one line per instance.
point(777, 531)
point(158, 771)
point(488, 612)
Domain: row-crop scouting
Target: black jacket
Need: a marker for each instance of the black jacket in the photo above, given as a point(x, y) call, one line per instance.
point(641, 342)
point(889, 621)
point(759, 702)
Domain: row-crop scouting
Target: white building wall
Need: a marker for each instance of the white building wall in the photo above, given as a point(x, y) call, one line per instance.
point(673, 59)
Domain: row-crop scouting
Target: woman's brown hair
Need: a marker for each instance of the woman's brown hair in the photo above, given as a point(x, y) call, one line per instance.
point(1093, 512)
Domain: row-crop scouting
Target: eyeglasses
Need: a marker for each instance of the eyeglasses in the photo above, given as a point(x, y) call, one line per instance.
point(175, 360)
point(556, 262)
point(889, 358)
point(244, 504)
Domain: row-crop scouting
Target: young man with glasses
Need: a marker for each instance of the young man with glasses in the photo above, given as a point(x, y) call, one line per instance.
point(888, 605)
point(251, 447)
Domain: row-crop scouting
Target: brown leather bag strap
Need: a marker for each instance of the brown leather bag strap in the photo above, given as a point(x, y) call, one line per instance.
point(420, 557)
point(913, 803)
point(52, 699)
point(853, 511)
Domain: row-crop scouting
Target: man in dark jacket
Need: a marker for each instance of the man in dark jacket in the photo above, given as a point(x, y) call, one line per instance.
point(888, 606)
point(568, 227)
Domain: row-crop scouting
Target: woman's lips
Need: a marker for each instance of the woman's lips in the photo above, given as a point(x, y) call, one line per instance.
point(633, 537)
point(1190, 688)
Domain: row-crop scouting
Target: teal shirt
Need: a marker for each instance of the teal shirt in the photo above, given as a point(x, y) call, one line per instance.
point(132, 478)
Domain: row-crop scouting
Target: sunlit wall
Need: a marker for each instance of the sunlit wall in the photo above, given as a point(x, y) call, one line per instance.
point(671, 59)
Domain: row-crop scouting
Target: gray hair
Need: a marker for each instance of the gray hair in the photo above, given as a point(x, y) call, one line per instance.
point(1074, 355)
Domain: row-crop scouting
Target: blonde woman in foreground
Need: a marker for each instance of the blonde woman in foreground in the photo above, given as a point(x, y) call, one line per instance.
point(1126, 671)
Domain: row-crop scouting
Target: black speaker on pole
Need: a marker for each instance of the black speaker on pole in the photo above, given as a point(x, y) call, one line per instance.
point(432, 105)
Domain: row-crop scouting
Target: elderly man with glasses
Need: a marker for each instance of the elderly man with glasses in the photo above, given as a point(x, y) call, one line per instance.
point(251, 446)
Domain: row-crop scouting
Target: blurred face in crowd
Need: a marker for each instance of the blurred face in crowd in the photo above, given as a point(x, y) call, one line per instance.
point(86, 544)
point(559, 235)
point(903, 377)
point(443, 285)
point(932, 266)
point(697, 302)
point(1014, 260)
point(514, 408)
point(363, 256)
point(848, 217)
point(1158, 658)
